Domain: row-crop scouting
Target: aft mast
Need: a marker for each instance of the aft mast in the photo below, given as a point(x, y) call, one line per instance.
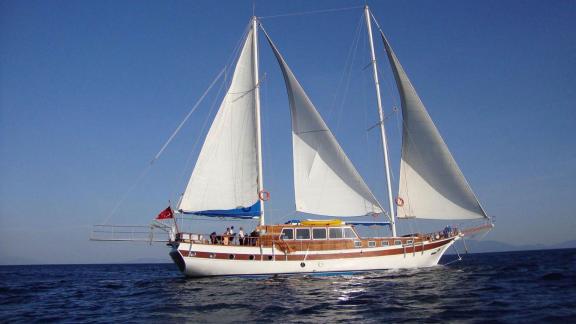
point(381, 122)
point(257, 109)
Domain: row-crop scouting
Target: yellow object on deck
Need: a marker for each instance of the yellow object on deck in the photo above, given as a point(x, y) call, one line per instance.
point(322, 222)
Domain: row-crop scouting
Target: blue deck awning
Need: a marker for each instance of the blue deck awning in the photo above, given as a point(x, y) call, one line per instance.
point(253, 211)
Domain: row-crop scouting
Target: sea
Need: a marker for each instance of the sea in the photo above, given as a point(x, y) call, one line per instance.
point(510, 287)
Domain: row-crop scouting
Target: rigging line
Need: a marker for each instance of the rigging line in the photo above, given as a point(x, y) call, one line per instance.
point(347, 66)
point(267, 155)
point(311, 12)
point(223, 71)
point(149, 166)
point(343, 86)
point(196, 105)
point(125, 195)
point(198, 138)
point(234, 57)
point(347, 78)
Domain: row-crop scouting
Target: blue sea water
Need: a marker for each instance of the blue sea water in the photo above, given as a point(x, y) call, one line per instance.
point(534, 286)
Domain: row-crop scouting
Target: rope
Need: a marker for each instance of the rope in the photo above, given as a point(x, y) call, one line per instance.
point(457, 253)
point(125, 195)
point(310, 12)
point(345, 79)
point(198, 139)
point(196, 105)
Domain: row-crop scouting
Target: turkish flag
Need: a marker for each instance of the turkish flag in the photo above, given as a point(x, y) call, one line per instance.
point(166, 214)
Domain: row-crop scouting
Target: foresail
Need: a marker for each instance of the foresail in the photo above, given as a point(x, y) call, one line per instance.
point(431, 183)
point(325, 181)
point(224, 180)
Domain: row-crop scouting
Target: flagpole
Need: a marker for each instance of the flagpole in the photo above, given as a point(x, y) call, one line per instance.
point(173, 217)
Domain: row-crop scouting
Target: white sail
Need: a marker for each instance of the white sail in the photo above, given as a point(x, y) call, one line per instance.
point(431, 183)
point(325, 181)
point(226, 173)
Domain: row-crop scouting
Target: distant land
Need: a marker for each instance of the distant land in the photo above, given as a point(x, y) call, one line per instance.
point(474, 246)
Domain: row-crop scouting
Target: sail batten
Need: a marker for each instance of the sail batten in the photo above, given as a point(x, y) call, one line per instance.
point(225, 178)
point(431, 184)
point(325, 180)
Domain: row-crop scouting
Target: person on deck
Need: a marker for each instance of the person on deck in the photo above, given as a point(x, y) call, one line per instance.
point(254, 237)
point(241, 236)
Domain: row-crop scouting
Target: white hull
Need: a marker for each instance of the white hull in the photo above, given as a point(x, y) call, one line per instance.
point(207, 260)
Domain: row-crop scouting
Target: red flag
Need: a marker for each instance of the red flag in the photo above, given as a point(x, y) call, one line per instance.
point(166, 214)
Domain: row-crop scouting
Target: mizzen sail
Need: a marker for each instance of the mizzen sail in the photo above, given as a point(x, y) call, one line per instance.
point(325, 180)
point(431, 183)
point(225, 178)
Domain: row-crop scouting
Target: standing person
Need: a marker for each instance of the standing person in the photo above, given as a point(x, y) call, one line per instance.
point(241, 236)
point(226, 236)
point(232, 236)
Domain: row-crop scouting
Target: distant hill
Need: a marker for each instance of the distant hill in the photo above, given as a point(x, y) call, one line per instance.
point(494, 246)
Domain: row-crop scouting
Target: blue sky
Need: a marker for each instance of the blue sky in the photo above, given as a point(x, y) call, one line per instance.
point(90, 90)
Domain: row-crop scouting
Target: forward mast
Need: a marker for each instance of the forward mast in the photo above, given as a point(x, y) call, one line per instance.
point(367, 15)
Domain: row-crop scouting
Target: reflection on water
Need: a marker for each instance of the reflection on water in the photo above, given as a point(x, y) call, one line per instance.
point(535, 286)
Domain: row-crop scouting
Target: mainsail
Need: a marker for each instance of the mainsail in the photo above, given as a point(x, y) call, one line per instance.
point(431, 183)
point(325, 181)
point(225, 178)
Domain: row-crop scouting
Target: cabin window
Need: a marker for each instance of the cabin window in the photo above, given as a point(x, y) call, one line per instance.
point(319, 233)
point(385, 243)
point(349, 233)
point(397, 242)
point(302, 233)
point(335, 233)
point(287, 234)
point(409, 242)
point(357, 244)
point(371, 244)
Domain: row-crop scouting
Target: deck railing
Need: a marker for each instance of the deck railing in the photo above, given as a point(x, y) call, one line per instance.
point(135, 233)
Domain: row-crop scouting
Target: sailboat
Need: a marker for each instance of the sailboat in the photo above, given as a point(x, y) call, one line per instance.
point(227, 182)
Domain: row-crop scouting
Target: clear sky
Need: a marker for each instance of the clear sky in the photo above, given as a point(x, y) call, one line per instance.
point(90, 90)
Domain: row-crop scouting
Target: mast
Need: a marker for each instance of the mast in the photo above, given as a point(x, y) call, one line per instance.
point(257, 108)
point(381, 115)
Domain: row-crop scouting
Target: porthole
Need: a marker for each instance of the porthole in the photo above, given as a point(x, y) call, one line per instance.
point(212, 255)
point(191, 253)
point(270, 258)
point(231, 256)
point(251, 257)
point(302, 264)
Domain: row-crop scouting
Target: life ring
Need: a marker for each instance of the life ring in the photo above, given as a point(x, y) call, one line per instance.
point(264, 195)
point(399, 201)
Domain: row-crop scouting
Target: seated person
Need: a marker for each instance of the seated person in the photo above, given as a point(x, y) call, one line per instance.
point(254, 237)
